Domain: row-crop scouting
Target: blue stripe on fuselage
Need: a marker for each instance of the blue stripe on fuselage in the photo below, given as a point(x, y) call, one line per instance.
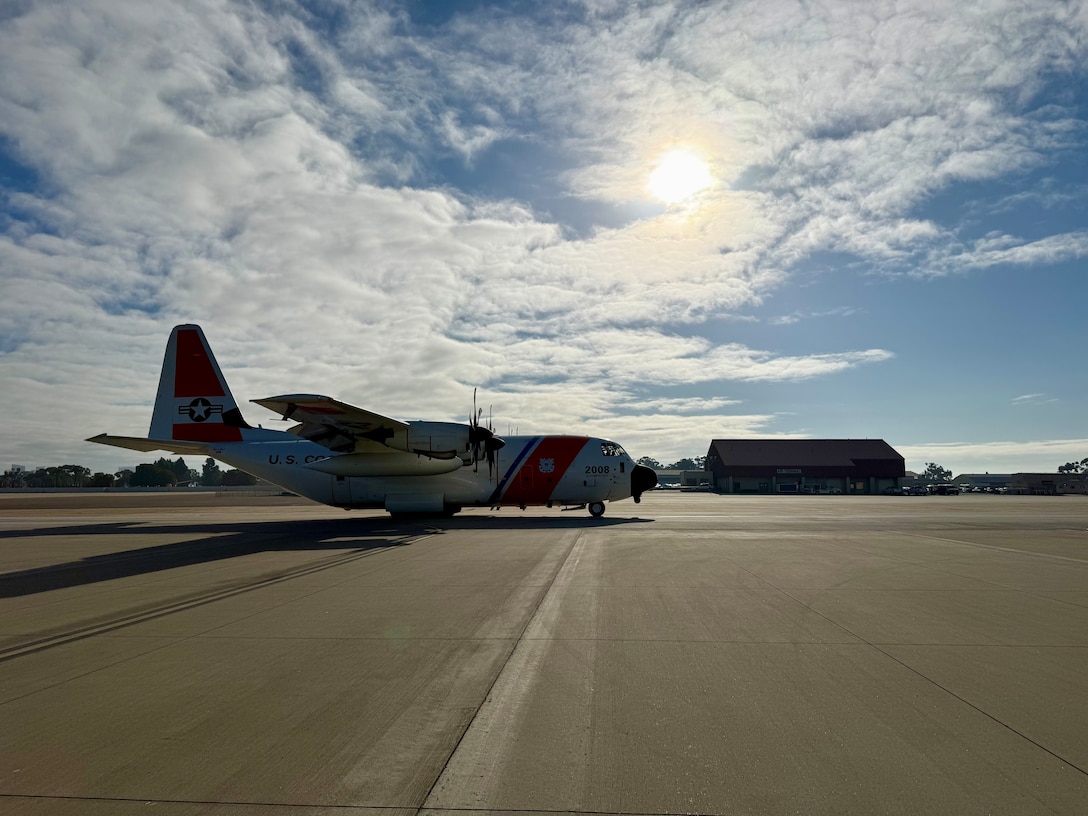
point(510, 471)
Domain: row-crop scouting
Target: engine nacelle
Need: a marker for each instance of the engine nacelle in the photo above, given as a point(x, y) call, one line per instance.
point(445, 440)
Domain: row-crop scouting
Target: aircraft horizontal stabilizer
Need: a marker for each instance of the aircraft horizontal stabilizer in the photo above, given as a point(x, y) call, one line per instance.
point(147, 445)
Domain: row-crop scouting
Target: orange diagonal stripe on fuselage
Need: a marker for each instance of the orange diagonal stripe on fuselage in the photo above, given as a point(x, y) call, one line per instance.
point(532, 486)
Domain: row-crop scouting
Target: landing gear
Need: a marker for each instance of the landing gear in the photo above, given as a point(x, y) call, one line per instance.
point(596, 509)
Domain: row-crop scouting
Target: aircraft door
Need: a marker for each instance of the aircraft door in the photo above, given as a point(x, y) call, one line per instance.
point(524, 481)
point(341, 490)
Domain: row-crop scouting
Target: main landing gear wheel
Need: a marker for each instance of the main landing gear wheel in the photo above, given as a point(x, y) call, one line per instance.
point(596, 509)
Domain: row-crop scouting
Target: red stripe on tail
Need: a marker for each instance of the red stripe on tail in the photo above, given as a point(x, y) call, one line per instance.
point(194, 374)
point(207, 432)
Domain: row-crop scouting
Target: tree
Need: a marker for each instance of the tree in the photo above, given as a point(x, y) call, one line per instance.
point(238, 478)
point(696, 463)
point(1074, 467)
point(936, 473)
point(102, 480)
point(15, 477)
point(650, 462)
point(211, 475)
point(152, 476)
point(74, 475)
point(177, 467)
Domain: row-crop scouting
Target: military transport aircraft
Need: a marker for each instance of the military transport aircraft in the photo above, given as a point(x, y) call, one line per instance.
point(349, 457)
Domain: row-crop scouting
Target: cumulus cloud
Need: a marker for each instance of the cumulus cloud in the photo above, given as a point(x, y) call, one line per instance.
point(797, 317)
point(1032, 399)
point(1034, 456)
point(362, 206)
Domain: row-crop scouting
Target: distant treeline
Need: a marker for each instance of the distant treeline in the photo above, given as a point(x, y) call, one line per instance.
point(1074, 467)
point(161, 473)
point(697, 463)
point(167, 473)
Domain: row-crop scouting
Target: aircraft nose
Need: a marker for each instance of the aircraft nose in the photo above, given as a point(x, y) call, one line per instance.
point(642, 479)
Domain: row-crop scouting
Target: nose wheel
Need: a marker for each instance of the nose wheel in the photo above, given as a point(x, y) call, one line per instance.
point(596, 509)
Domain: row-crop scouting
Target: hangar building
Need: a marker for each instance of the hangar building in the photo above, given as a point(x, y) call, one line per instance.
point(804, 465)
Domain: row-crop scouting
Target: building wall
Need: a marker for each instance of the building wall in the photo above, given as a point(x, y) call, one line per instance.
point(1048, 484)
point(811, 481)
point(847, 475)
point(984, 480)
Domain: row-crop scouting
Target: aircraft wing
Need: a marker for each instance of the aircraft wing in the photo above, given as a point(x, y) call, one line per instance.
point(337, 425)
point(146, 445)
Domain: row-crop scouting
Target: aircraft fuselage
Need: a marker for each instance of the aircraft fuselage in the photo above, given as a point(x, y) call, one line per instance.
point(528, 470)
point(346, 456)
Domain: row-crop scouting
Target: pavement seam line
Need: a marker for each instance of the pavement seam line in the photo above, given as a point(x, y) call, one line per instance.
point(574, 546)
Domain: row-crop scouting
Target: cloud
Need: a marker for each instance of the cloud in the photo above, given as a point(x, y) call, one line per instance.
point(797, 317)
point(1036, 456)
point(1032, 399)
point(669, 406)
point(363, 206)
point(1053, 248)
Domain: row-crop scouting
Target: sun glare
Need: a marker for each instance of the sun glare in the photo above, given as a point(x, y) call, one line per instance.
point(679, 175)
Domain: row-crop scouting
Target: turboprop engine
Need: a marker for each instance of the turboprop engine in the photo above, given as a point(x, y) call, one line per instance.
point(446, 440)
point(428, 449)
point(440, 440)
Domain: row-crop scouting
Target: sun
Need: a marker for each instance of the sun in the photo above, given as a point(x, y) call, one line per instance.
point(679, 175)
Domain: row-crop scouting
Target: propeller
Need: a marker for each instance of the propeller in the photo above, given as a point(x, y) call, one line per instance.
point(483, 440)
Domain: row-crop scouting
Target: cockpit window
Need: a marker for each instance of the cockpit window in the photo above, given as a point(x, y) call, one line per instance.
point(612, 449)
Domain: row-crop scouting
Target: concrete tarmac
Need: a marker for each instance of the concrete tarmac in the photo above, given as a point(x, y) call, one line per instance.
point(694, 654)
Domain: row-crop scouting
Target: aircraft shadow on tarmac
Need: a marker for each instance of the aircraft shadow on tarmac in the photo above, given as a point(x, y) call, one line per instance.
point(217, 541)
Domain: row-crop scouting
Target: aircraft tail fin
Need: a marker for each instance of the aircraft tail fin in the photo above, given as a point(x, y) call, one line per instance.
point(194, 402)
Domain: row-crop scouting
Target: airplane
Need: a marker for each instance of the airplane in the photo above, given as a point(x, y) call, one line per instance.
point(349, 457)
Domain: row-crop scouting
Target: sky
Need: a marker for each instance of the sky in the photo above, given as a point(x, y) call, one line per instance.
point(660, 223)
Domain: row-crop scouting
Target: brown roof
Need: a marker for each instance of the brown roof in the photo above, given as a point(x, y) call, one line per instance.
point(801, 452)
